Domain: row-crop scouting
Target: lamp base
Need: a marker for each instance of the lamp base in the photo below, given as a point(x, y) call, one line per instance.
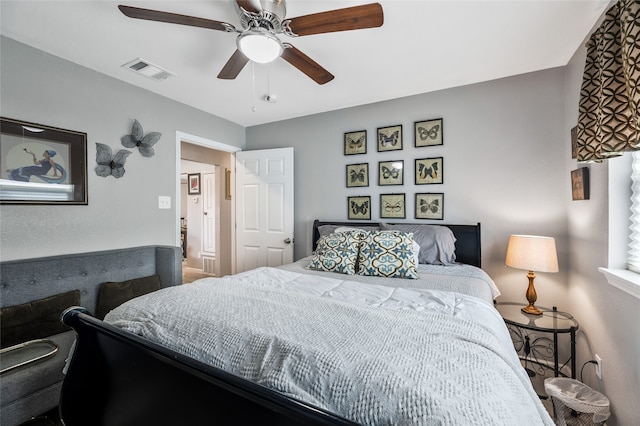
point(531, 310)
point(531, 297)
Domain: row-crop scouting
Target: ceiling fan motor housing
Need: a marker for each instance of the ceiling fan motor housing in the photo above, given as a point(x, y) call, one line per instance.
point(266, 14)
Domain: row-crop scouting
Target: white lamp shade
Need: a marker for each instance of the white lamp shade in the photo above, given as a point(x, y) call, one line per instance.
point(532, 253)
point(260, 47)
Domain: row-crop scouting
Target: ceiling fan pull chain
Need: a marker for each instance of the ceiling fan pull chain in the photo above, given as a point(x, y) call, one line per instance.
point(268, 79)
point(253, 86)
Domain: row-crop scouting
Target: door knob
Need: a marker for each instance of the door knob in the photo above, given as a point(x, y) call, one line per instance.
point(287, 240)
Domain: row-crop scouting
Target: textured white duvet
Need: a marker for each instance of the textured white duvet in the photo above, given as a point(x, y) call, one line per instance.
point(376, 355)
point(465, 279)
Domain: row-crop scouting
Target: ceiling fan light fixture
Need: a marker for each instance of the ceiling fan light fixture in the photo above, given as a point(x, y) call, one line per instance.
point(261, 47)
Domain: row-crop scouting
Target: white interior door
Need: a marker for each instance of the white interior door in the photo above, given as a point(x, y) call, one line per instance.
point(264, 206)
point(209, 202)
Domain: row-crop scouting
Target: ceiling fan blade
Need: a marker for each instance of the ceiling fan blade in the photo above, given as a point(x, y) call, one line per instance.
point(249, 5)
point(234, 65)
point(174, 18)
point(351, 18)
point(305, 64)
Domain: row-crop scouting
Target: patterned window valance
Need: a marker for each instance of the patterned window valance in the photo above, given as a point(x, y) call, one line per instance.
point(609, 112)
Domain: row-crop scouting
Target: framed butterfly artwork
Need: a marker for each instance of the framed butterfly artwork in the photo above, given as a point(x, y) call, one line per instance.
point(430, 206)
point(429, 171)
point(355, 142)
point(359, 208)
point(42, 164)
point(357, 175)
point(390, 138)
point(392, 206)
point(391, 173)
point(428, 132)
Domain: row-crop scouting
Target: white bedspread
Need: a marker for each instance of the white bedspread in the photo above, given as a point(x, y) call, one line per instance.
point(376, 355)
point(465, 279)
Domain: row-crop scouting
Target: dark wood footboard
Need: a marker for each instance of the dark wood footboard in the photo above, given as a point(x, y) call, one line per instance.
point(116, 378)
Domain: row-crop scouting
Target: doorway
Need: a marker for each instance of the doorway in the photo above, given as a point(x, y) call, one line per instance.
point(215, 163)
point(199, 210)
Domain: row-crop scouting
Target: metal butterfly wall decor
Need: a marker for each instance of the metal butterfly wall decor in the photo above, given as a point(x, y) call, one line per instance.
point(138, 139)
point(108, 163)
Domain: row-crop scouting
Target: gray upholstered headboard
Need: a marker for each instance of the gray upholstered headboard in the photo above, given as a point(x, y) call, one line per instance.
point(26, 280)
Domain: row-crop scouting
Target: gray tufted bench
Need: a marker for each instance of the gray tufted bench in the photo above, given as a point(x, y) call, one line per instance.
point(34, 389)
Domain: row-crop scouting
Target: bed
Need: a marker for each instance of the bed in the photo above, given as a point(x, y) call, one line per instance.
point(290, 345)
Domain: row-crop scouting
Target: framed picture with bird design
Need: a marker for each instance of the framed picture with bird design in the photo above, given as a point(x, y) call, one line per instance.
point(429, 171)
point(390, 138)
point(355, 142)
point(391, 173)
point(430, 206)
point(357, 175)
point(428, 132)
point(359, 207)
point(392, 206)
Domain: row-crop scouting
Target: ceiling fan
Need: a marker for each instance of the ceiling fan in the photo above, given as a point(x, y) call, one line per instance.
point(262, 21)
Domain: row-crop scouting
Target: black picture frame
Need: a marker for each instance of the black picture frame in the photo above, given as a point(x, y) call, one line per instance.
point(193, 184)
point(393, 206)
point(429, 205)
point(428, 132)
point(357, 175)
point(359, 207)
point(574, 142)
point(429, 171)
point(389, 138)
point(355, 142)
point(391, 173)
point(580, 184)
point(41, 164)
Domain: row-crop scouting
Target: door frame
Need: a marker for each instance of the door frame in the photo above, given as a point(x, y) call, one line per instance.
point(197, 140)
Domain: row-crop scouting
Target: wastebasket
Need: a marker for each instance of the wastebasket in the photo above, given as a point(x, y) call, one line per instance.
point(576, 404)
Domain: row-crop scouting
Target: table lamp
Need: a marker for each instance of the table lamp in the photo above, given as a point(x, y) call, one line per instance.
point(532, 253)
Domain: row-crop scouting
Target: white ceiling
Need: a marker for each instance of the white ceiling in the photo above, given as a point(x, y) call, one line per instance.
point(422, 46)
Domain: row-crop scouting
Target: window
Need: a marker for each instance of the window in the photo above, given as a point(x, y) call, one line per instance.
point(624, 226)
point(633, 259)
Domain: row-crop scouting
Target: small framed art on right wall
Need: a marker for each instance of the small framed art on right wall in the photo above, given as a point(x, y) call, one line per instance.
point(580, 184)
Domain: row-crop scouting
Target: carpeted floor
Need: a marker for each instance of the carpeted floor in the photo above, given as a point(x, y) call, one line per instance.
point(190, 275)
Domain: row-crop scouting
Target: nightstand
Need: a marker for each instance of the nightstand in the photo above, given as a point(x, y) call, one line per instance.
point(536, 339)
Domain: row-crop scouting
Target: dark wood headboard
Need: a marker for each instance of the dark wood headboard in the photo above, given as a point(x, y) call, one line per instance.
point(468, 245)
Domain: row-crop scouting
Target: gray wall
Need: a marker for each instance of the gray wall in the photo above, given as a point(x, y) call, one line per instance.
point(507, 161)
point(44, 89)
point(504, 150)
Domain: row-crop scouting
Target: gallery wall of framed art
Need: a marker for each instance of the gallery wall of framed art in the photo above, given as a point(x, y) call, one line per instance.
point(389, 164)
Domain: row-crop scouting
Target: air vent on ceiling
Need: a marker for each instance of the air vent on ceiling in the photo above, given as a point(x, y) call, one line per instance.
point(148, 69)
